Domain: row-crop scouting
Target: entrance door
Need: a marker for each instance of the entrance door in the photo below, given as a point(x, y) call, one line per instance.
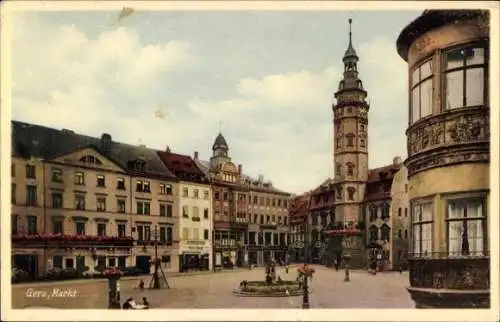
point(143, 264)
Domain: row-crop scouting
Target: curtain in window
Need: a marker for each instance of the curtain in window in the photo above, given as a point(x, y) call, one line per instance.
point(475, 235)
point(416, 239)
point(454, 238)
point(475, 87)
point(426, 239)
point(415, 105)
point(454, 89)
point(426, 212)
point(426, 98)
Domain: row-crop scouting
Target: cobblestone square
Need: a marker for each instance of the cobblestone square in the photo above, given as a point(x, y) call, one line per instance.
point(214, 290)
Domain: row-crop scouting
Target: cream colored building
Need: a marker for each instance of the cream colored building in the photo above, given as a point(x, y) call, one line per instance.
point(89, 188)
point(400, 220)
point(195, 212)
point(448, 163)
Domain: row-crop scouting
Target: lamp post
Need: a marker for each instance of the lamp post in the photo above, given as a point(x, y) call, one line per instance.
point(347, 257)
point(156, 278)
point(305, 294)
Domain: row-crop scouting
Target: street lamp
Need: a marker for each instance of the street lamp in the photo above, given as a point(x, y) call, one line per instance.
point(305, 295)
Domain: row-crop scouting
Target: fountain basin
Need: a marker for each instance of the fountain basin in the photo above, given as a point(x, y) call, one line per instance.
point(261, 289)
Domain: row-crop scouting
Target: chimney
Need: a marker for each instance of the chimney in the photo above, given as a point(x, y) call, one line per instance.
point(167, 149)
point(397, 161)
point(196, 155)
point(240, 167)
point(105, 143)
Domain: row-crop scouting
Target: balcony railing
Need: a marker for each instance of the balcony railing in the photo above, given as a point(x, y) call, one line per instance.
point(450, 270)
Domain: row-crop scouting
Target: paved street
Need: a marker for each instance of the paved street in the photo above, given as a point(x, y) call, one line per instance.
point(385, 290)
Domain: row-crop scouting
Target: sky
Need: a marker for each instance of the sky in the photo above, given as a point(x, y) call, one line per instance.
point(266, 79)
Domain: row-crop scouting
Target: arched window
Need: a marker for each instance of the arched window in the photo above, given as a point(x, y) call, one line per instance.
point(350, 192)
point(339, 192)
point(373, 213)
point(350, 169)
point(314, 235)
point(373, 233)
point(386, 232)
point(338, 169)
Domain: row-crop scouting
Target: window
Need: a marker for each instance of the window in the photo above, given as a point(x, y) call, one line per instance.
point(57, 227)
point(206, 234)
point(30, 171)
point(373, 233)
point(79, 178)
point(162, 210)
point(80, 228)
point(120, 183)
point(122, 261)
point(112, 262)
point(169, 235)
point(350, 140)
point(169, 189)
point(14, 224)
point(121, 230)
point(101, 229)
point(56, 175)
point(185, 233)
point(32, 224)
point(350, 193)
point(226, 197)
point(13, 193)
point(466, 224)
point(196, 193)
point(386, 232)
point(465, 77)
point(205, 194)
point(140, 233)
point(185, 192)
point(169, 210)
point(362, 127)
point(146, 187)
point(400, 234)
point(385, 211)
point(205, 213)
point(57, 261)
point(262, 219)
point(406, 233)
point(350, 169)
point(31, 199)
point(143, 208)
point(399, 212)
point(163, 189)
point(279, 202)
point(79, 202)
point(101, 182)
point(57, 200)
point(255, 200)
point(422, 229)
point(338, 169)
point(163, 234)
point(421, 92)
point(90, 159)
point(362, 143)
point(143, 186)
point(338, 143)
point(185, 211)
point(147, 233)
point(101, 204)
point(120, 205)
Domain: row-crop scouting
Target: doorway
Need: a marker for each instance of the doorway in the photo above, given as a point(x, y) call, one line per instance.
point(28, 263)
point(143, 264)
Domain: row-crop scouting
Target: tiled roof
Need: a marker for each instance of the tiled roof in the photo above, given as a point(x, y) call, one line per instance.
point(183, 167)
point(380, 182)
point(30, 140)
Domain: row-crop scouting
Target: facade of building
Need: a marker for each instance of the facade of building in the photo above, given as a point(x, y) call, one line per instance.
point(79, 201)
point(298, 213)
point(400, 220)
point(448, 157)
point(195, 209)
point(250, 216)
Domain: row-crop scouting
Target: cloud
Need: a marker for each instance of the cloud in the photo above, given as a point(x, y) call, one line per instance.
point(278, 125)
point(62, 75)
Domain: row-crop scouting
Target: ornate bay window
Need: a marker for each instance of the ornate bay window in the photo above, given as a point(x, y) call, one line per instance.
point(422, 228)
point(421, 92)
point(465, 77)
point(466, 227)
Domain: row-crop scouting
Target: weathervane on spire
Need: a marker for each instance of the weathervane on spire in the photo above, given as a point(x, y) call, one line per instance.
point(350, 32)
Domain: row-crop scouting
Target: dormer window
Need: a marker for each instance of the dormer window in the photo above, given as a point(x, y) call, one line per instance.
point(137, 165)
point(90, 159)
point(143, 186)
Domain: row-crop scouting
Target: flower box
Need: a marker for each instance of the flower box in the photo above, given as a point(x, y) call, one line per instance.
point(306, 270)
point(112, 272)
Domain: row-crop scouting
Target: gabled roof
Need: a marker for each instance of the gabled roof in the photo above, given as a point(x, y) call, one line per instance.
point(205, 168)
point(377, 179)
point(30, 140)
point(183, 166)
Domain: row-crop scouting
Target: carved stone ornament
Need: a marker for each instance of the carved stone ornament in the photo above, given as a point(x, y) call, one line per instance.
point(437, 134)
point(465, 129)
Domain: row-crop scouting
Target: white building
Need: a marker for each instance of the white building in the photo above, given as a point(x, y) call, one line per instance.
point(195, 212)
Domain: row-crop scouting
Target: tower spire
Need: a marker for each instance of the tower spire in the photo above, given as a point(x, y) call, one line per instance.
point(350, 33)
